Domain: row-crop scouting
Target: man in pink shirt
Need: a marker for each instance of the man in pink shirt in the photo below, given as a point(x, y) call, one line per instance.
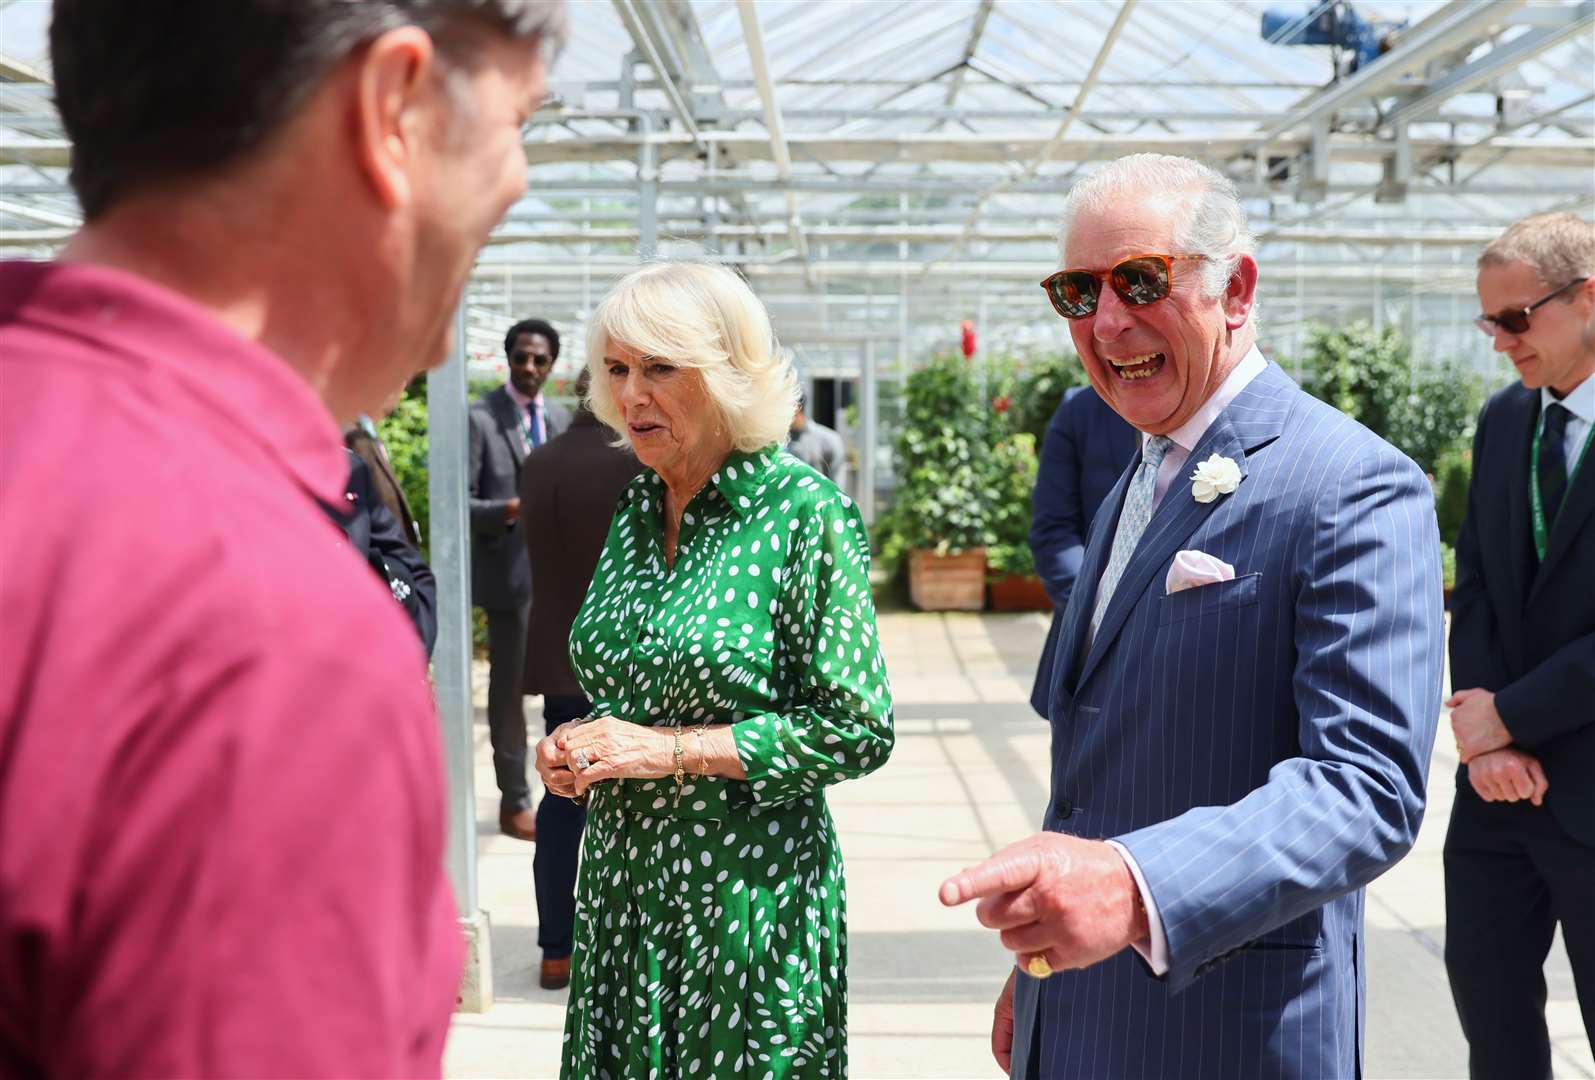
point(221, 792)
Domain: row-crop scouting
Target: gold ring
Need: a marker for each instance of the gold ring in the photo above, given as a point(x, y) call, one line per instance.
point(1038, 967)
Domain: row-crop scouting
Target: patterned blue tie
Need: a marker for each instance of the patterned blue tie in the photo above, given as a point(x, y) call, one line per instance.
point(534, 431)
point(1133, 520)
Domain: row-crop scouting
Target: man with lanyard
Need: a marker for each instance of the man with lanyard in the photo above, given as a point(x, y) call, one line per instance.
point(1521, 844)
point(507, 424)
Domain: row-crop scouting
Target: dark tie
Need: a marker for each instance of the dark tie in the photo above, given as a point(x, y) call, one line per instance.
point(535, 431)
point(1553, 461)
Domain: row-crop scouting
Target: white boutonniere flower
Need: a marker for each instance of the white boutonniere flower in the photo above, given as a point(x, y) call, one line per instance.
point(1216, 476)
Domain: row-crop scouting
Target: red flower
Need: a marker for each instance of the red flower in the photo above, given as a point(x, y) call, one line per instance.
point(1002, 403)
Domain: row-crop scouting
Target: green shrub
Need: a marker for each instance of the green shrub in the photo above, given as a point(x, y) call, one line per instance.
point(944, 456)
point(1451, 492)
point(1368, 375)
point(1013, 482)
point(405, 433)
point(1448, 565)
point(1040, 388)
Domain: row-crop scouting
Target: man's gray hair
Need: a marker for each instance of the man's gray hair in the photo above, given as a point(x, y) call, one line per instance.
point(1558, 247)
point(1215, 223)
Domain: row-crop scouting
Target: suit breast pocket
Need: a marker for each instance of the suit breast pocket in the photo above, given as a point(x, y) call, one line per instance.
point(1208, 599)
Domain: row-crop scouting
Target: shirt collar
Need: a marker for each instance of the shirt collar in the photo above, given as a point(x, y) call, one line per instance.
point(246, 385)
point(739, 479)
point(1580, 401)
point(520, 399)
point(1188, 434)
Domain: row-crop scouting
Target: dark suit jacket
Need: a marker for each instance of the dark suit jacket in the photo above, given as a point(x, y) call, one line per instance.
point(1086, 449)
point(1526, 632)
point(379, 538)
point(500, 577)
point(569, 487)
point(370, 450)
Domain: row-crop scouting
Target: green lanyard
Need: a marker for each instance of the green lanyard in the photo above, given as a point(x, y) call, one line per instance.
point(1540, 530)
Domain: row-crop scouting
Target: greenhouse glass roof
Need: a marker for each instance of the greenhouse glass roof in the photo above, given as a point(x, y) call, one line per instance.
point(881, 171)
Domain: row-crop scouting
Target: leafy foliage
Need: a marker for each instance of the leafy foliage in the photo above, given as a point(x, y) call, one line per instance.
point(1040, 388)
point(944, 461)
point(1451, 492)
point(1013, 482)
point(405, 432)
point(1368, 375)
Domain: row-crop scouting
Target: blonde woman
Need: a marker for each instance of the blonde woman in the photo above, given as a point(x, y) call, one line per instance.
point(728, 642)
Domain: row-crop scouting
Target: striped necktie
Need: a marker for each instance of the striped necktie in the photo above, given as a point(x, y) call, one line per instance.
point(1133, 519)
point(534, 429)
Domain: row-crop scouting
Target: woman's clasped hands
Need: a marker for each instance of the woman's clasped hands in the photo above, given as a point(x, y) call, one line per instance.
point(582, 752)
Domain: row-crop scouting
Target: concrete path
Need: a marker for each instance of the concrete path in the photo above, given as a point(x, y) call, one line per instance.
point(969, 775)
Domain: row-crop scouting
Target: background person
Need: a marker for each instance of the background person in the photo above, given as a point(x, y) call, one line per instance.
point(569, 488)
point(506, 424)
point(221, 825)
point(378, 538)
point(728, 643)
point(365, 441)
point(1520, 853)
point(816, 445)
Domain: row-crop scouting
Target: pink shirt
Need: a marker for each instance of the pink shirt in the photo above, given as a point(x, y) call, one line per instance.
point(221, 787)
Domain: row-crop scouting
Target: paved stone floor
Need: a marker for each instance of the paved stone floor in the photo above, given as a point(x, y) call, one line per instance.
point(969, 774)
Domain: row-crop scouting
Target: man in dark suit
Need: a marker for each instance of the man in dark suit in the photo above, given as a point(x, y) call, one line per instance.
point(506, 425)
point(568, 487)
point(376, 534)
point(1520, 853)
point(1086, 448)
point(362, 438)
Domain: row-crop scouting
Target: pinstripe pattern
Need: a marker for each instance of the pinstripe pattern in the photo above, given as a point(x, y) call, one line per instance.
point(1259, 746)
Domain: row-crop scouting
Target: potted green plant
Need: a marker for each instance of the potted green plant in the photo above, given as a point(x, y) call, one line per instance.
point(1011, 568)
point(939, 520)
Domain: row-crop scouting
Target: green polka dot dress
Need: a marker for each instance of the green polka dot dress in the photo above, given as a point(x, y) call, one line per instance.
point(711, 937)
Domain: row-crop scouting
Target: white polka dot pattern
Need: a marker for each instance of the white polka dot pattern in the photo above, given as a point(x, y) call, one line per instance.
point(711, 937)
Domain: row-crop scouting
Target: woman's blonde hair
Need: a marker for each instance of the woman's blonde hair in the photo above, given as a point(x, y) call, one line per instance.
point(701, 316)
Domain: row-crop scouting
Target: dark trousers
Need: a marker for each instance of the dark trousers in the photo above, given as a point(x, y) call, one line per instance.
point(559, 838)
point(506, 719)
point(1511, 874)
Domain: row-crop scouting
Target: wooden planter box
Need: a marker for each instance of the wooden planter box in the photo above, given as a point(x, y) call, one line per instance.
point(947, 582)
point(1019, 592)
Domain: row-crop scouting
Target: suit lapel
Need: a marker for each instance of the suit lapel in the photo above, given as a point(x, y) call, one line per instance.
point(1255, 418)
point(509, 423)
point(1577, 505)
point(1519, 531)
point(1077, 616)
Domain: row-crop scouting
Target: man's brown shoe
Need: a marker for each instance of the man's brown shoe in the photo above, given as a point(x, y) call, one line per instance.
point(522, 824)
point(555, 974)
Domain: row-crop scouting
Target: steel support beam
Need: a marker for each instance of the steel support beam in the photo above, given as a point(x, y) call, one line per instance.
point(1447, 30)
point(637, 24)
point(956, 84)
point(1476, 73)
point(451, 660)
point(1052, 144)
point(779, 151)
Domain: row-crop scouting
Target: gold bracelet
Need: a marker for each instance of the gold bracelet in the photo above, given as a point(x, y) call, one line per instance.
point(703, 757)
point(681, 757)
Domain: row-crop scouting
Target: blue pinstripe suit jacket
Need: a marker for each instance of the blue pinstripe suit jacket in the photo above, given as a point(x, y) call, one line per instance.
point(1259, 745)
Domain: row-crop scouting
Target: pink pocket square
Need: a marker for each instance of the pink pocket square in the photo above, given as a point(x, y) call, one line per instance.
point(1193, 568)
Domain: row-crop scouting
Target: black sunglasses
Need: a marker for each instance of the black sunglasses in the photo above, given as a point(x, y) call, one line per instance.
point(1517, 322)
point(1141, 280)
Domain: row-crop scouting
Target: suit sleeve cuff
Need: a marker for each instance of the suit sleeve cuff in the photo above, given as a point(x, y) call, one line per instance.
point(1154, 949)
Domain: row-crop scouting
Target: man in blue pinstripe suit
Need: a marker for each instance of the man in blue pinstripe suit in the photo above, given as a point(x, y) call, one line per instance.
point(1246, 684)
